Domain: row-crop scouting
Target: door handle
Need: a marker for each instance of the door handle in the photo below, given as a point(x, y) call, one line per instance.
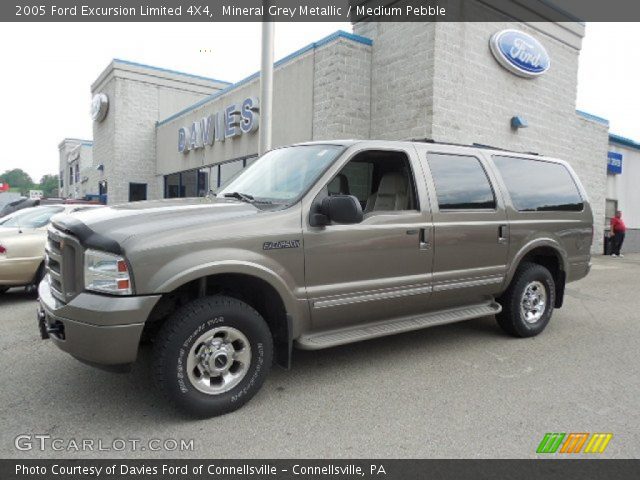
point(503, 232)
point(424, 239)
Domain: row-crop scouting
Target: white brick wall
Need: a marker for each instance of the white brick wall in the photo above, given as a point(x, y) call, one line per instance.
point(401, 78)
point(342, 90)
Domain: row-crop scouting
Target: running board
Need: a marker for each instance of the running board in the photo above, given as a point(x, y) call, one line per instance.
point(332, 338)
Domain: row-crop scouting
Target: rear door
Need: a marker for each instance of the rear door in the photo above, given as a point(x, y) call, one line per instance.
point(471, 238)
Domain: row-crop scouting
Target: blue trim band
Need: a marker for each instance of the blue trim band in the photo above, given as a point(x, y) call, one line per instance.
point(330, 38)
point(620, 140)
point(166, 70)
point(595, 118)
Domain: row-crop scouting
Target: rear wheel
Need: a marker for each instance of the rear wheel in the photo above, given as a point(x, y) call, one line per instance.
point(527, 305)
point(212, 355)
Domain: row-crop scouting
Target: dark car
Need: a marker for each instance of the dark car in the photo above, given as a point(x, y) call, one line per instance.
point(18, 204)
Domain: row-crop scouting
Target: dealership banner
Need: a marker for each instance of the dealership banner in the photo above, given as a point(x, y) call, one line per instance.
point(317, 10)
point(317, 469)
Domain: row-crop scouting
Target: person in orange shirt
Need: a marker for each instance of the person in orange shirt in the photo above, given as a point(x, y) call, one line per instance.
point(618, 229)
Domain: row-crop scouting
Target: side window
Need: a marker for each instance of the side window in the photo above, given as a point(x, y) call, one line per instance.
point(461, 182)
point(354, 179)
point(381, 180)
point(538, 186)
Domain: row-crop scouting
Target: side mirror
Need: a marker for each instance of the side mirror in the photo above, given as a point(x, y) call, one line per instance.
point(345, 209)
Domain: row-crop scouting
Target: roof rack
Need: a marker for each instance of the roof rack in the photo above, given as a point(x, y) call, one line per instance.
point(476, 145)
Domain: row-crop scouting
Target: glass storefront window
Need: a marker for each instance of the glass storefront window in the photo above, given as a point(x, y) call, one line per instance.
point(214, 178)
point(229, 170)
point(189, 181)
point(198, 183)
point(203, 182)
point(172, 186)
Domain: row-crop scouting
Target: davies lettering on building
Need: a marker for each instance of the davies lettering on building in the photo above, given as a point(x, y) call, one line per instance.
point(235, 120)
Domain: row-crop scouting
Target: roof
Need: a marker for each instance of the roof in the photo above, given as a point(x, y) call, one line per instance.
point(624, 141)
point(592, 117)
point(444, 146)
point(613, 138)
point(80, 141)
point(167, 70)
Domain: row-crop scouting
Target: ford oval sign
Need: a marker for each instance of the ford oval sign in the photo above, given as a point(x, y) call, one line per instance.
point(520, 53)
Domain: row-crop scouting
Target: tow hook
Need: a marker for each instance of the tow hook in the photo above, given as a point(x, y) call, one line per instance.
point(42, 324)
point(47, 329)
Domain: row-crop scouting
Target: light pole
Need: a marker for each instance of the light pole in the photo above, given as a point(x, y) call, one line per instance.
point(266, 85)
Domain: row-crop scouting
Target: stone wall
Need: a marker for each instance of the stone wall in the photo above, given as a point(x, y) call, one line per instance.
point(401, 78)
point(342, 90)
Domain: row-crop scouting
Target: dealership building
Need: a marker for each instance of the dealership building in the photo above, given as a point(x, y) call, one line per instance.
point(158, 133)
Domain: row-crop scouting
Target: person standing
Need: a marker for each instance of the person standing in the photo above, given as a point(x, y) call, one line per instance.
point(618, 230)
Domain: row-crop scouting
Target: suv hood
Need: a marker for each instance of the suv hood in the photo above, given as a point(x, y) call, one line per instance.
point(111, 228)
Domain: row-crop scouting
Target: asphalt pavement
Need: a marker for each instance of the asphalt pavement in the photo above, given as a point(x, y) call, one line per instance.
point(461, 390)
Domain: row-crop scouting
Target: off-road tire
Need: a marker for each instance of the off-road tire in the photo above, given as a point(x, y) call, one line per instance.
point(179, 333)
point(511, 319)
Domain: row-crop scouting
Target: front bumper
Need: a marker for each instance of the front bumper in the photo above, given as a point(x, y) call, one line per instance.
point(97, 329)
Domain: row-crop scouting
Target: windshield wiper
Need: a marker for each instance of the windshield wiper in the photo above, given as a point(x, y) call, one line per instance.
point(245, 197)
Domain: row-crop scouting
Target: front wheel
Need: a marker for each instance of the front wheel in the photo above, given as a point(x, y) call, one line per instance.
point(527, 305)
point(212, 355)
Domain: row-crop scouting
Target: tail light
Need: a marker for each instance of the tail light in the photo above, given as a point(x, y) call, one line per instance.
point(2, 249)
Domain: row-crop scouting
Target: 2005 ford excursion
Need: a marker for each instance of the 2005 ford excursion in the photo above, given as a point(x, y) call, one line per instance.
point(314, 245)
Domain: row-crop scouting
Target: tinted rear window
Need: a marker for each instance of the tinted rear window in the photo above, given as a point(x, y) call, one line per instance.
point(538, 186)
point(461, 182)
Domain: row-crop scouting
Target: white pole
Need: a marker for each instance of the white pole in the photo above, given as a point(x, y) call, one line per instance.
point(266, 87)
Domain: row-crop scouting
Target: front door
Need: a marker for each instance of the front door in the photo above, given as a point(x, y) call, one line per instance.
point(380, 268)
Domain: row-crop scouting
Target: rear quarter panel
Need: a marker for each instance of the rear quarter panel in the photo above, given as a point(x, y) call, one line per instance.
point(569, 233)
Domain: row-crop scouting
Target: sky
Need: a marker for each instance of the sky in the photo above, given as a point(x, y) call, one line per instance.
point(47, 71)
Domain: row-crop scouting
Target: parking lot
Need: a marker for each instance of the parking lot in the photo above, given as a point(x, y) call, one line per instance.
point(462, 390)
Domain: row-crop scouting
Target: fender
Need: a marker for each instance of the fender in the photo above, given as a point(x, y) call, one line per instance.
point(528, 247)
point(292, 304)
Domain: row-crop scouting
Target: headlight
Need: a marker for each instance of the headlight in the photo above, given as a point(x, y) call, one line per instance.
point(106, 272)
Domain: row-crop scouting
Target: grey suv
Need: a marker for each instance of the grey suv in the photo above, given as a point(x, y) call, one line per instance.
point(312, 246)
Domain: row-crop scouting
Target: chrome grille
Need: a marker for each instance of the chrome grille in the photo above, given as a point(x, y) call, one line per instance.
point(63, 261)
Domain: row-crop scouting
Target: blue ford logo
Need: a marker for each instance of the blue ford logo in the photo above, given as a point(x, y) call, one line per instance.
point(520, 53)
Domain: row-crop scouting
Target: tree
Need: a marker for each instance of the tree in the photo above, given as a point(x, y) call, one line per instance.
point(18, 179)
point(49, 185)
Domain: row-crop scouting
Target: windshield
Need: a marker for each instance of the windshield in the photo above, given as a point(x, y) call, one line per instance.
point(282, 175)
point(35, 217)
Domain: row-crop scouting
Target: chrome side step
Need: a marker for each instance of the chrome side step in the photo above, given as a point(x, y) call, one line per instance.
point(332, 338)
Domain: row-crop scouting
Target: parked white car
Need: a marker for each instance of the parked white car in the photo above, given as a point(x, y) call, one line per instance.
point(23, 235)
